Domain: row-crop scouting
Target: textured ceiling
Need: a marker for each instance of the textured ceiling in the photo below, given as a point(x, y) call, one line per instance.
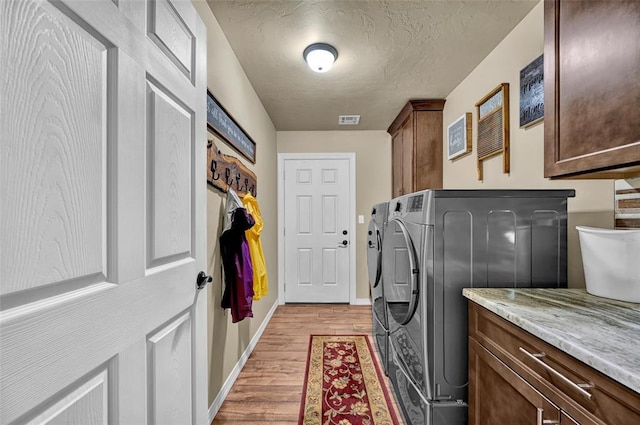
point(388, 52)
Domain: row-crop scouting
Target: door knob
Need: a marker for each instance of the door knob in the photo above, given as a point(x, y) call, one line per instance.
point(343, 244)
point(202, 280)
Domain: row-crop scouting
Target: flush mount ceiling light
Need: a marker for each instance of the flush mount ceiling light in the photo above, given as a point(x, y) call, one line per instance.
point(320, 56)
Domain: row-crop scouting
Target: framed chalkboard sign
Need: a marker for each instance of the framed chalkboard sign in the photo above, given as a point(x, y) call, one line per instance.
point(532, 93)
point(459, 136)
point(223, 124)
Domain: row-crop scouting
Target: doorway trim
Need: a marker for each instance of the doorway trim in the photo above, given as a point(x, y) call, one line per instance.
point(351, 157)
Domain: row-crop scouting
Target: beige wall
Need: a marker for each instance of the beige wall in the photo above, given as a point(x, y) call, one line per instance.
point(373, 176)
point(593, 204)
point(228, 82)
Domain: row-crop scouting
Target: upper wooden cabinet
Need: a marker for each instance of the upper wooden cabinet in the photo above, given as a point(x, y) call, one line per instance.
point(416, 137)
point(592, 88)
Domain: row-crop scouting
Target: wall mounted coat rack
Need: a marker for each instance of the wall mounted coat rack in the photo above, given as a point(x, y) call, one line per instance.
point(225, 171)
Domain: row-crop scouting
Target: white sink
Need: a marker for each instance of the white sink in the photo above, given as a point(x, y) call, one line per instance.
point(611, 260)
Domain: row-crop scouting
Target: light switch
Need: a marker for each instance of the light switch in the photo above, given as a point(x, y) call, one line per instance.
point(360, 219)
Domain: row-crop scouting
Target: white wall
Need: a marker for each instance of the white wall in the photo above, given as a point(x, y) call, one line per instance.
point(594, 201)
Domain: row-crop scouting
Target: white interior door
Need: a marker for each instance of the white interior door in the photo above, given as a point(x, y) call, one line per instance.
point(102, 212)
point(318, 230)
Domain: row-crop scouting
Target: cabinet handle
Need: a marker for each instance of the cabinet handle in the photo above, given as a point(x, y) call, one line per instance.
point(541, 421)
point(578, 387)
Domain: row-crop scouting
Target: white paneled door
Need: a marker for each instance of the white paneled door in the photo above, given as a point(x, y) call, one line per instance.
point(102, 212)
point(317, 226)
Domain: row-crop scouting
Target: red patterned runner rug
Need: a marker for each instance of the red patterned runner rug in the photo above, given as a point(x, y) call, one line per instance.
point(343, 384)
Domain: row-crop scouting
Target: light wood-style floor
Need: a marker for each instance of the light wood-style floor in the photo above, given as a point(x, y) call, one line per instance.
point(269, 388)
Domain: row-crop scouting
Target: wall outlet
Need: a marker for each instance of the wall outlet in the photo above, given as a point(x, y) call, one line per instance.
point(360, 219)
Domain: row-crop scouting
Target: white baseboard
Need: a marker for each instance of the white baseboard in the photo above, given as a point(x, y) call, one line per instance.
point(361, 301)
point(224, 391)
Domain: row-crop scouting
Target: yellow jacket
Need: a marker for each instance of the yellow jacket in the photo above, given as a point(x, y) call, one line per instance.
point(260, 281)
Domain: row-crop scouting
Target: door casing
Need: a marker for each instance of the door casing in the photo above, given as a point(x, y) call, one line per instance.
point(351, 157)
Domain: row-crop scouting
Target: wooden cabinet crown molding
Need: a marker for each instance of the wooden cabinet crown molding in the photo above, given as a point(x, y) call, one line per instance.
point(413, 106)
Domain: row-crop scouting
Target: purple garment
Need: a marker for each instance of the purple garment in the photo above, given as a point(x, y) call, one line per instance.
point(238, 271)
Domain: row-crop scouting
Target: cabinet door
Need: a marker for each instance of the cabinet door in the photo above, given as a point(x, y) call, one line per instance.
point(604, 402)
point(566, 419)
point(408, 149)
point(428, 150)
point(497, 395)
point(592, 89)
point(396, 155)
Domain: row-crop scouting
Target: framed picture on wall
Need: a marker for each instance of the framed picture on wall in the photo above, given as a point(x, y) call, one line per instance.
point(493, 127)
point(459, 136)
point(532, 93)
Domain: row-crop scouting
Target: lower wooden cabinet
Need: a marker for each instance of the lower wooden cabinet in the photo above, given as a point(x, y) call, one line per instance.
point(566, 420)
point(516, 378)
point(498, 395)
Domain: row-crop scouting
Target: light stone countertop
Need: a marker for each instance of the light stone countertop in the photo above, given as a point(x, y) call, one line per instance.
point(603, 333)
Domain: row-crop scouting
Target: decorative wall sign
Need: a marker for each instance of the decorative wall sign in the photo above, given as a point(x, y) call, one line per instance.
point(224, 171)
point(532, 93)
point(493, 126)
point(459, 136)
point(223, 124)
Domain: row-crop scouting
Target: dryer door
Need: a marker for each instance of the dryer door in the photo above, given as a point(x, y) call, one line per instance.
point(400, 278)
point(374, 254)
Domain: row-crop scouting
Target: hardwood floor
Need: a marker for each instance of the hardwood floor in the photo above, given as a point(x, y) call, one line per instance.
point(269, 388)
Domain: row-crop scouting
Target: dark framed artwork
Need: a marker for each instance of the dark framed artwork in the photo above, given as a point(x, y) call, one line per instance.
point(223, 124)
point(532, 93)
point(493, 127)
point(459, 136)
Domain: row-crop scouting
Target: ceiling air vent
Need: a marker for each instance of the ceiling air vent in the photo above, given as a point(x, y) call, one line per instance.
point(348, 119)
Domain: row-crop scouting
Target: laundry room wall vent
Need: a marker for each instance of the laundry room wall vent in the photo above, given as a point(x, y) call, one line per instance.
point(348, 119)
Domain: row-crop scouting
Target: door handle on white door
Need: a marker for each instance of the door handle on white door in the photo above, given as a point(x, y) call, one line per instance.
point(202, 279)
point(343, 244)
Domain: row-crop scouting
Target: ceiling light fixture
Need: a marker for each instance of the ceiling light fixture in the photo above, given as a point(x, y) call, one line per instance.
point(320, 56)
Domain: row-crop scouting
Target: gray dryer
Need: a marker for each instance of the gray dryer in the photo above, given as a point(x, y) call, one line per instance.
point(438, 242)
point(375, 236)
